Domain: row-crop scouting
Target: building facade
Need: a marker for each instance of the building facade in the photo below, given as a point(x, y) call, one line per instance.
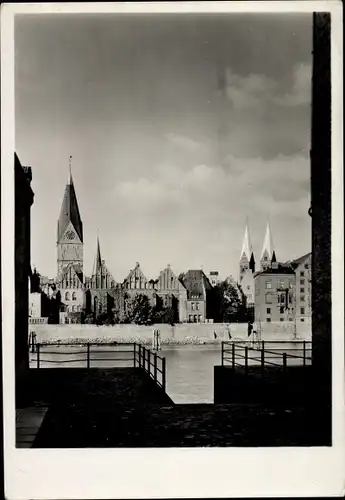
point(199, 296)
point(302, 268)
point(214, 278)
point(275, 294)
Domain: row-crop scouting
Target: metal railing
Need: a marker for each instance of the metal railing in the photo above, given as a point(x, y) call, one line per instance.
point(134, 354)
point(265, 354)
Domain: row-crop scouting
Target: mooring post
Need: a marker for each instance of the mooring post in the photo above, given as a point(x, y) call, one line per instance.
point(38, 355)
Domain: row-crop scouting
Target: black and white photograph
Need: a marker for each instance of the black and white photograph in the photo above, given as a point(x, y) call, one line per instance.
point(172, 238)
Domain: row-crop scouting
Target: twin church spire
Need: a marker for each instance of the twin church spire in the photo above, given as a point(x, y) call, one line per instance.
point(247, 260)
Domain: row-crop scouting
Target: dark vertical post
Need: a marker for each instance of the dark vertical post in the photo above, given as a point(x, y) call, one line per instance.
point(155, 366)
point(163, 374)
point(38, 355)
point(246, 360)
point(303, 352)
point(88, 355)
point(222, 353)
point(134, 354)
point(263, 345)
point(284, 362)
point(149, 361)
point(233, 354)
point(262, 361)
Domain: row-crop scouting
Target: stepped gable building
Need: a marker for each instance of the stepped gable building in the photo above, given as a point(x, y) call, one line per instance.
point(136, 283)
point(199, 293)
point(101, 289)
point(302, 268)
point(70, 278)
point(247, 270)
point(172, 293)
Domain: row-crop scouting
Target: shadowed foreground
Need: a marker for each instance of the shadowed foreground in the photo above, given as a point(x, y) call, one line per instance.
point(123, 408)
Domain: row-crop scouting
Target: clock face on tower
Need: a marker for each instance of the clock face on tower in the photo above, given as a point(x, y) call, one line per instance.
point(70, 235)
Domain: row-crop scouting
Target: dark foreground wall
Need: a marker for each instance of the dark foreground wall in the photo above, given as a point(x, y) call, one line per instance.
point(23, 200)
point(234, 386)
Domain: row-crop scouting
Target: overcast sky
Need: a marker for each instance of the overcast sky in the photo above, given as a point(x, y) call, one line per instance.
point(179, 128)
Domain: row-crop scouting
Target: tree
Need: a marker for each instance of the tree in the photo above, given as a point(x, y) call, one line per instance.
point(228, 303)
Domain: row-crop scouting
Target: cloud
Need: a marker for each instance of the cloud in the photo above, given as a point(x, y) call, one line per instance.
point(300, 93)
point(183, 141)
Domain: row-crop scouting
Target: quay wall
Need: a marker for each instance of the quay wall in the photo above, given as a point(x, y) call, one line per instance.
point(189, 333)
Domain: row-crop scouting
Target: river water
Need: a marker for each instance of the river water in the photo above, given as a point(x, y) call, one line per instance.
point(189, 368)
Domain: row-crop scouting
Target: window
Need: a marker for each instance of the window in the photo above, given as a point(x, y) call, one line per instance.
point(281, 319)
point(73, 308)
point(190, 318)
point(302, 320)
point(290, 284)
point(302, 290)
point(268, 310)
point(268, 284)
point(302, 298)
point(269, 298)
point(67, 284)
point(195, 318)
point(268, 320)
point(193, 306)
point(306, 266)
point(302, 273)
point(199, 318)
point(302, 281)
point(302, 310)
point(290, 319)
point(248, 287)
point(281, 284)
point(67, 296)
point(197, 306)
point(74, 296)
point(281, 299)
point(282, 310)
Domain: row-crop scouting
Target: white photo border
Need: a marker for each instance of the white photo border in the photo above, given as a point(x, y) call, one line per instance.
point(176, 472)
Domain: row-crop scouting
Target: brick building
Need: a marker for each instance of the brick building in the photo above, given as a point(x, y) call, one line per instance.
point(199, 296)
point(302, 268)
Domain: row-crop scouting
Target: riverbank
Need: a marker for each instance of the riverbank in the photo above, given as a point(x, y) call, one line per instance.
point(180, 334)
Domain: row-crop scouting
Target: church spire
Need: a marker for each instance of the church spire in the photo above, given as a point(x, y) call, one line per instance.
point(268, 254)
point(69, 210)
point(98, 265)
point(247, 260)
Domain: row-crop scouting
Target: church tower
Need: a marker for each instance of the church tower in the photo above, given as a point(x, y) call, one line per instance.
point(268, 254)
point(69, 232)
point(247, 261)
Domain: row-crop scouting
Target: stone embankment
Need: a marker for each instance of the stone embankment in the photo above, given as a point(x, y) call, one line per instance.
point(180, 334)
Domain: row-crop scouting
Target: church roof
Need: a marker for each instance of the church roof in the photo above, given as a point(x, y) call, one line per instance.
point(295, 263)
point(70, 212)
point(196, 283)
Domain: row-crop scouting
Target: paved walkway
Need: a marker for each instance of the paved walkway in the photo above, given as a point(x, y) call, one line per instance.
point(28, 422)
point(123, 408)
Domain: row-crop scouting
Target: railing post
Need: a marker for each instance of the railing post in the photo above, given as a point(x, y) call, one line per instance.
point(134, 353)
point(139, 355)
point(222, 353)
point(38, 355)
point(262, 361)
point(303, 352)
point(88, 355)
point(233, 354)
point(149, 362)
point(263, 345)
point(155, 366)
point(284, 362)
point(163, 374)
point(246, 359)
